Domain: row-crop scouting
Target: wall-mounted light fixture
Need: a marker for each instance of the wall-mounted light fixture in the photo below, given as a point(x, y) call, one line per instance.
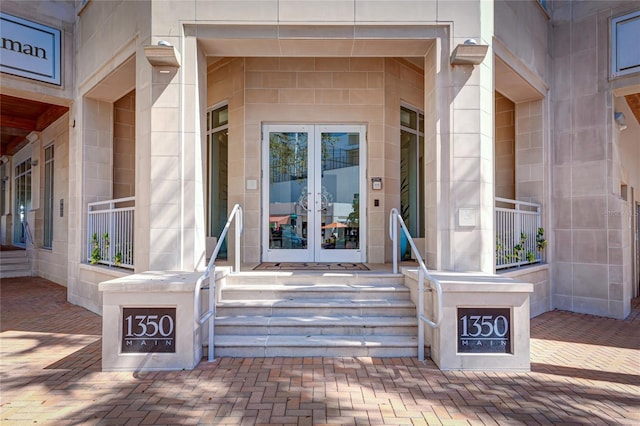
point(32, 137)
point(469, 53)
point(34, 163)
point(164, 54)
point(620, 119)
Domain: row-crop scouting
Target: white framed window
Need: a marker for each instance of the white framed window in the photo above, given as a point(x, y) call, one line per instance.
point(625, 55)
point(545, 5)
point(412, 169)
point(217, 171)
point(47, 238)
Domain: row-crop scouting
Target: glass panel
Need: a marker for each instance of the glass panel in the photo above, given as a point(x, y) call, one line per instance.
point(340, 191)
point(408, 118)
point(3, 189)
point(288, 190)
point(409, 181)
point(22, 201)
point(220, 116)
point(420, 231)
point(412, 173)
point(219, 148)
point(48, 198)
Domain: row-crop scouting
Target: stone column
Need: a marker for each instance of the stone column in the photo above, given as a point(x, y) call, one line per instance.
point(170, 159)
point(461, 182)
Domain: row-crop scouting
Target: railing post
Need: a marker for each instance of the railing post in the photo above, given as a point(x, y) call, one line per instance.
point(239, 220)
point(212, 307)
point(394, 238)
point(111, 239)
point(517, 227)
point(420, 314)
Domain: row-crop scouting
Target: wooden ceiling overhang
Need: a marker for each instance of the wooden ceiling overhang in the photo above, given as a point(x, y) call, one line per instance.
point(634, 104)
point(19, 117)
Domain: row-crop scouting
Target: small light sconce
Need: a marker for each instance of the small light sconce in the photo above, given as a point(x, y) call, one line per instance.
point(164, 54)
point(620, 119)
point(469, 53)
point(34, 163)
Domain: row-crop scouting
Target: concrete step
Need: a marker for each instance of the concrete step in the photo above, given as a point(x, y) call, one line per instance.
point(15, 274)
point(314, 306)
point(315, 314)
point(317, 325)
point(321, 291)
point(306, 346)
point(314, 278)
point(8, 261)
point(14, 263)
point(12, 254)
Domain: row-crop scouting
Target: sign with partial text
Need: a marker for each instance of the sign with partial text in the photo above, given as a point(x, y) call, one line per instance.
point(30, 50)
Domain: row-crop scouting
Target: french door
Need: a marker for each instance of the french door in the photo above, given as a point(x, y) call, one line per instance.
point(313, 193)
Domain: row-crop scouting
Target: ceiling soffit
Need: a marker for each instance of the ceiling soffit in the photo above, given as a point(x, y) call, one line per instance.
point(19, 117)
point(633, 100)
point(512, 85)
point(314, 40)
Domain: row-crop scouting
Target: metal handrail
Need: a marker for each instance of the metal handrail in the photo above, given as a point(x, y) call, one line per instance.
point(511, 222)
point(27, 232)
point(110, 218)
point(394, 220)
point(210, 272)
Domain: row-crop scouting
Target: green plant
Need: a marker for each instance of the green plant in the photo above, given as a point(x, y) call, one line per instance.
point(96, 254)
point(518, 249)
point(97, 247)
point(541, 243)
point(117, 259)
point(105, 240)
point(520, 252)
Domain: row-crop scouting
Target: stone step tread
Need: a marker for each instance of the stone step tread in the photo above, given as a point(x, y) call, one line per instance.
point(253, 278)
point(317, 321)
point(316, 303)
point(16, 267)
point(322, 274)
point(15, 274)
point(14, 261)
point(314, 341)
point(328, 287)
point(13, 254)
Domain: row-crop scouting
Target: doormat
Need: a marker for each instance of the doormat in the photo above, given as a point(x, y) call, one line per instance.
point(310, 266)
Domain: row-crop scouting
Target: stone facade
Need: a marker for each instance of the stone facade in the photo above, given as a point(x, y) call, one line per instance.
point(534, 121)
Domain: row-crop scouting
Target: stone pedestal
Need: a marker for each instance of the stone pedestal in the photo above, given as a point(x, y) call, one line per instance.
point(148, 322)
point(485, 323)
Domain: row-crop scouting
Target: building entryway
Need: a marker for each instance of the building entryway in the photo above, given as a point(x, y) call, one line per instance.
point(313, 193)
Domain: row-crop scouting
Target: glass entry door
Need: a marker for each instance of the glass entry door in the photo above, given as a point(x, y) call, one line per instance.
point(313, 193)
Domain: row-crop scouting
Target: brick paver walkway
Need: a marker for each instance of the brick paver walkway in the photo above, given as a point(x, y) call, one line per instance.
point(585, 370)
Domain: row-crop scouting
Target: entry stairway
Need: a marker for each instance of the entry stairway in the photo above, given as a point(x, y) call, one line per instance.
point(306, 314)
point(14, 263)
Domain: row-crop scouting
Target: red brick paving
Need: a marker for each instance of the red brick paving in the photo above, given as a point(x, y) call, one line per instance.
point(585, 370)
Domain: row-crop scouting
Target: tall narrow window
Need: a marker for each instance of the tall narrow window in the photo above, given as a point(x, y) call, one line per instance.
point(3, 190)
point(412, 170)
point(217, 165)
point(47, 239)
point(22, 184)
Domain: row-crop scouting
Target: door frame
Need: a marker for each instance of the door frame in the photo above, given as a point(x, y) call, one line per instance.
point(314, 251)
